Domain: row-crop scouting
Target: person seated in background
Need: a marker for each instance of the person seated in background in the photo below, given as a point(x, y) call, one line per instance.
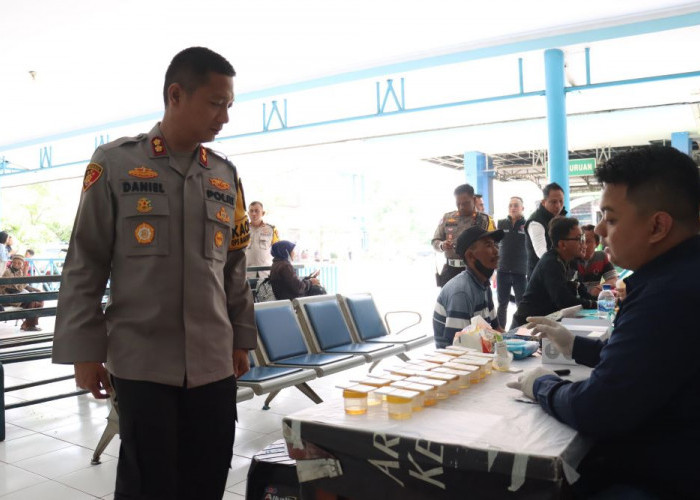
point(16, 270)
point(4, 257)
point(26, 269)
point(469, 293)
point(595, 266)
point(284, 280)
point(549, 288)
point(8, 245)
point(640, 405)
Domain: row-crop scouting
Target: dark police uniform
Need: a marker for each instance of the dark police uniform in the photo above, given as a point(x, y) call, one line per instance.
point(170, 233)
point(450, 227)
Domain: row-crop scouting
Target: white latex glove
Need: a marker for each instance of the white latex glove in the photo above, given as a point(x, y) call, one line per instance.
point(526, 381)
point(557, 333)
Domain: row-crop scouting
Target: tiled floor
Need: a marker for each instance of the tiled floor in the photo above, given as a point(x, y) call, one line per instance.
point(47, 450)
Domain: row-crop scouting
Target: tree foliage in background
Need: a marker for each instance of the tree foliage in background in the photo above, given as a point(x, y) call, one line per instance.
point(34, 221)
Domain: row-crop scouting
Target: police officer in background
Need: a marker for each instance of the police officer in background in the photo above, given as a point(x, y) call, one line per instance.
point(451, 226)
point(164, 219)
point(262, 237)
point(512, 265)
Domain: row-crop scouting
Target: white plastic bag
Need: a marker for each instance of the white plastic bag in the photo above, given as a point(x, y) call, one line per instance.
point(478, 335)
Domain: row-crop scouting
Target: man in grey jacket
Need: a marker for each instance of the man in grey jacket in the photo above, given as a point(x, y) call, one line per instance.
point(164, 219)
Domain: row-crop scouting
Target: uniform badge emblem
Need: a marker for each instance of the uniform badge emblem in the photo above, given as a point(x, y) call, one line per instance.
point(203, 156)
point(223, 216)
point(219, 184)
point(145, 233)
point(143, 172)
point(143, 205)
point(92, 173)
point(158, 146)
point(218, 239)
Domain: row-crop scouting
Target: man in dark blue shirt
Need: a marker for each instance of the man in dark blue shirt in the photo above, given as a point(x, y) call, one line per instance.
point(641, 403)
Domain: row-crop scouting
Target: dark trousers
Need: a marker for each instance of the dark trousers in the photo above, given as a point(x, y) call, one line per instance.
point(448, 272)
point(504, 282)
point(176, 443)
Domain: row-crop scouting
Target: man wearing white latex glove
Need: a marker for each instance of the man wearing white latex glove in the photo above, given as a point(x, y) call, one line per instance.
point(640, 422)
point(557, 333)
point(526, 381)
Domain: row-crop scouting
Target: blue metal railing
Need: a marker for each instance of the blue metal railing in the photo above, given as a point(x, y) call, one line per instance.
point(328, 275)
point(328, 272)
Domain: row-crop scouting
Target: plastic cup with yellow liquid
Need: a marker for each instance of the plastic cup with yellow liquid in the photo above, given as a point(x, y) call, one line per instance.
point(400, 403)
point(463, 375)
point(355, 398)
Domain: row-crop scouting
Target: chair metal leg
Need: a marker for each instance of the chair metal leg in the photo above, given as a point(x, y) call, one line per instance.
point(270, 397)
point(309, 392)
point(402, 356)
point(374, 365)
point(110, 431)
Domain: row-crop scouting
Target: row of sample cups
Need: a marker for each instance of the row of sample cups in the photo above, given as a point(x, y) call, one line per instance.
point(408, 388)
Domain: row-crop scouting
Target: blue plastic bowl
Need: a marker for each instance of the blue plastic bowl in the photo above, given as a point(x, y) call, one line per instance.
point(522, 348)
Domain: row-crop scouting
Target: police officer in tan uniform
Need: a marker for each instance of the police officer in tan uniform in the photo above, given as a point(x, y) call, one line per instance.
point(262, 237)
point(163, 218)
point(451, 226)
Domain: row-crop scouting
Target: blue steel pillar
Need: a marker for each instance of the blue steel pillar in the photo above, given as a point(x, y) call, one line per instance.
point(556, 120)
point(475, 166)
point(681, 141)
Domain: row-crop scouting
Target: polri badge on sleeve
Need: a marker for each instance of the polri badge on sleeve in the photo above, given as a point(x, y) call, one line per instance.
point(92, 175)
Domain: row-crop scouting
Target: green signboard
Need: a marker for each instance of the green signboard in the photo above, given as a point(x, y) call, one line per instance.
point(581, 167)
point(577, 168)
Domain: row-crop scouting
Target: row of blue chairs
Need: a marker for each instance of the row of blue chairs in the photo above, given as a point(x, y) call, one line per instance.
point(301, 340)
point(312, 337)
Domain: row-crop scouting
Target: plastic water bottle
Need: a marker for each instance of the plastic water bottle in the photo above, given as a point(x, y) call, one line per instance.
point(606, 303)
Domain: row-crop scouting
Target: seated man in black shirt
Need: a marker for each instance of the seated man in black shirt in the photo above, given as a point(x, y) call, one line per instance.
point(549, 288)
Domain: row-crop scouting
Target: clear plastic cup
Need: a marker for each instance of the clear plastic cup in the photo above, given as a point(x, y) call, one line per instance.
point(355, 399)
point(400, 404)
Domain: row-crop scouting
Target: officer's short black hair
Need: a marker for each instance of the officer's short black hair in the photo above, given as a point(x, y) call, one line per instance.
point(559, 228)
point(552, 186)
point(464, 189)
point(658, 178)
point(3, 237)
point(191, 67)
point(591, 227)
point(256, 203)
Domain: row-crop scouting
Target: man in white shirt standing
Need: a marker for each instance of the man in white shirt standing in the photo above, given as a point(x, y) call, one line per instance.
point(537, 225)
point(262, 237)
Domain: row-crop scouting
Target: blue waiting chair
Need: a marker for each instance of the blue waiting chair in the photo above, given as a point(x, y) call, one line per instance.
point(281, 342)
point(271, 380)
point(366, 324)
point(326, 330)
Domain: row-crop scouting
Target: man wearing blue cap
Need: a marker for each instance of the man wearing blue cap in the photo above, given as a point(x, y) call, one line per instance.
point(469, 293)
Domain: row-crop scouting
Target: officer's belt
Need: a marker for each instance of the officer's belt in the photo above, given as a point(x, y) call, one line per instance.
point(456, 263)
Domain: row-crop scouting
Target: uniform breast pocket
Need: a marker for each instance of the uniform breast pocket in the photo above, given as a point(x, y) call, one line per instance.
point(217, 233)
point(265, 241)
point(145, 224)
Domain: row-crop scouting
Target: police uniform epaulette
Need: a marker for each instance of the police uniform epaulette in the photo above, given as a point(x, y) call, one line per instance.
point(449, 215)
point(221, 156)
point(121, 141)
